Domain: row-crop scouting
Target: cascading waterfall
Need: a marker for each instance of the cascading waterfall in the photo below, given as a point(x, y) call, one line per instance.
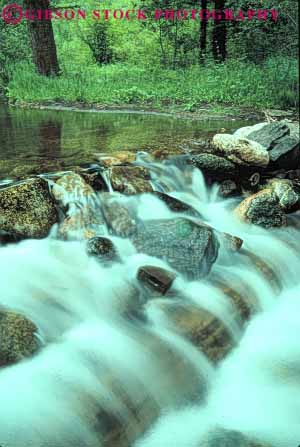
point(116, 369)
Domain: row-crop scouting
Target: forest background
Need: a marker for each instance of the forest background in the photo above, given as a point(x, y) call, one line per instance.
point(155, 64)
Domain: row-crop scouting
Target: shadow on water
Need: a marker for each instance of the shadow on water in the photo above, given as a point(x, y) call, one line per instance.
point(66, 138)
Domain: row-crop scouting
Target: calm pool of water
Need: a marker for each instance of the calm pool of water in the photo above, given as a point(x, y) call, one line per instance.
point(33, 137)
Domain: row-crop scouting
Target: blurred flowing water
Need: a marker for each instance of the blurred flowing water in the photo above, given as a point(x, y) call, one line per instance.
point(114, 370)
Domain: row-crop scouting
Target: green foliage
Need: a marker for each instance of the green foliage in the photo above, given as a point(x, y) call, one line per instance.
point(238, 84)
point(14, 47)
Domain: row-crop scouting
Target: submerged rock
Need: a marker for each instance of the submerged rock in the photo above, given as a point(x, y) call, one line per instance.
point(156, 278)
point(27, 209)
point(263, 209)
point(130, 179)
point(102, 248)
point(84, 223)
point(118, 218)
point(190, 248)
point(116, 158)
point(241, 151)
point(176, 205)
point(202, 328)
point(17, 338)
point(220, 437)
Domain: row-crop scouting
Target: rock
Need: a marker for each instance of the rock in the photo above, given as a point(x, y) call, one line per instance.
point(285, 154)
point(156, 278)
point(130, 179)
point(232, 243)
point(102, 248)
point(228, 188)
point(83, 224)
point(176, 205)
point(201, 327)
point(94, 179)
point(269, 134)
point(116, 158)
point(25, 170)
point(262, 209)
point(241, 151)
point(294, 129)
point(190, 248)
point(287, 196)
point(117, 216)
point(244, 132)
point(214, 166)
point(17, 338)
point(164, 153)
point(27, 209)
point(71, 188)
point(220, 437)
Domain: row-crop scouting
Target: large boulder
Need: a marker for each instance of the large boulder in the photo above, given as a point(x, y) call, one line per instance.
point(130, 179)
point(17, 338)
point(283, 147)
point(263, 209)
point(27, 209)
point(269, 134)
point(190, 248)
point(241, 151)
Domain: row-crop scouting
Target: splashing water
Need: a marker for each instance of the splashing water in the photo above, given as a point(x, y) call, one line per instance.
point(115, 369)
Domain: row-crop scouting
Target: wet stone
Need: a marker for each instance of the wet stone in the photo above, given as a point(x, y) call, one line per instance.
point(17, 338)
point(27, 209)
point(190, 248)
point(102, 248)
point(156, 278)
point(130, 179)
point(228, 188)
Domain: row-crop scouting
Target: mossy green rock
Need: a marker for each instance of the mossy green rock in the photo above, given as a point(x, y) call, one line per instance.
point(17, 338)
point(27, 209)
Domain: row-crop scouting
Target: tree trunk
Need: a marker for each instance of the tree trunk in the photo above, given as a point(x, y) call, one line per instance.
point(203, 36)
point(42, 40)
point(219, 33)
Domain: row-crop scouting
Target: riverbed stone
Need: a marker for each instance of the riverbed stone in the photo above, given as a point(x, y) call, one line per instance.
point(190, 248)
point(263, 209)
point(156, 278)
point(241, 151)
point(228, 188)
point(17, 338)
point(27, 209)
point(102, 248)
point(285, 192)
point(130, 179)
point(118, 218)
point(176, 205)
point(215, 166)
point(116, 158)
point(244, 132)
point(220, 437)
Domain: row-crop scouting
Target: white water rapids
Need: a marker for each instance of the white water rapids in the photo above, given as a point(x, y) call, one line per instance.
point(114, 370)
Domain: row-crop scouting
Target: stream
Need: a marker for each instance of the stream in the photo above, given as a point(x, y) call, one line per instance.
point(117, 367)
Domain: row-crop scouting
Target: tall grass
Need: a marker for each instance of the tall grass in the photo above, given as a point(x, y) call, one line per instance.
point(235, 83)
